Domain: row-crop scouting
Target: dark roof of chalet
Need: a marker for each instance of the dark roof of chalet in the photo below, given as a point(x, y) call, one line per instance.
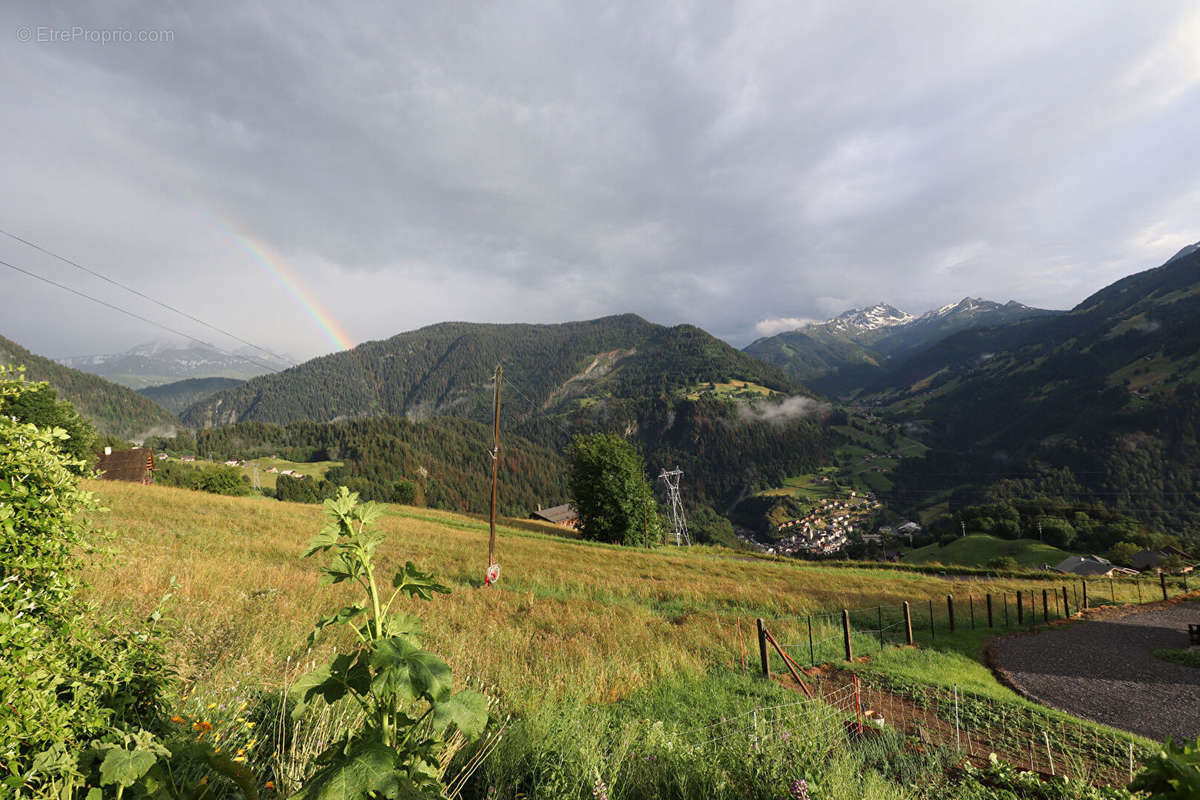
point(1175, 551)
point(1147, 559)
point(1085, 565)
point(125, 465)
point(557, 514)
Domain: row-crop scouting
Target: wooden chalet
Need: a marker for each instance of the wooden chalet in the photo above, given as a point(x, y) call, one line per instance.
point(136, 465)
point(565, 515)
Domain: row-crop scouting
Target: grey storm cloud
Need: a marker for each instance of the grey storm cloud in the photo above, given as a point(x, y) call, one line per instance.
point(737, 166)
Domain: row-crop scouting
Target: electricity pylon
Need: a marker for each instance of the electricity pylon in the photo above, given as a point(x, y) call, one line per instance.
point(671, 478)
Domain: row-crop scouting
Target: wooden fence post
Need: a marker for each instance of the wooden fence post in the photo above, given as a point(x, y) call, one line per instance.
point(1066, 605)
point(812, 655)
point(932, 632)
point(1138, 581)
point(1020, 609)
point(950, 610)
point(1162, 579)
point(1086, 605)
point(971, 603)
point(762, 650)
point(1006, 609)
point(1112, 590)
point(908, 623)
point(846, 634)
point(989, 607)
point(1045, 605)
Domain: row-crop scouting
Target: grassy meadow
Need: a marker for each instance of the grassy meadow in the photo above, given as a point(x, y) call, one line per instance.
point(568, 618)
point(620, 667)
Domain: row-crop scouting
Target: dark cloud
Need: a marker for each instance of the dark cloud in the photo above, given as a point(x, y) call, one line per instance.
point(731, 166)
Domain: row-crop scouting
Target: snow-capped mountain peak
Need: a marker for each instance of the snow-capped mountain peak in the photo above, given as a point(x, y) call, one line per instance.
point(880, 315)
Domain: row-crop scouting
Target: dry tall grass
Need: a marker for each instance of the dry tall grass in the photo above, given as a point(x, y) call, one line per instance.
point(568, 618)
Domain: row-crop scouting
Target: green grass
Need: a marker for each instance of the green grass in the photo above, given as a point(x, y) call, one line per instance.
point(314, 469)
point(731, 389)
point(605, 653)
point(977, 549)
point(1189, 657)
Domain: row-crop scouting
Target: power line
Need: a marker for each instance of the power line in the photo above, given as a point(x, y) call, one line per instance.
point(144, 296)
point(136, 316)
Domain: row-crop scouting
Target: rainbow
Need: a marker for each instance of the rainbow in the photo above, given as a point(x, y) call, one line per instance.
point(287, 278)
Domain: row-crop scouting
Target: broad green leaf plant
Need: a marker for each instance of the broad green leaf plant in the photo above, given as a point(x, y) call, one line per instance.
point(406, 693)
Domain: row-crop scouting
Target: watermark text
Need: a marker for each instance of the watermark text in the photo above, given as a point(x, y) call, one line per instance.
point(47, 34)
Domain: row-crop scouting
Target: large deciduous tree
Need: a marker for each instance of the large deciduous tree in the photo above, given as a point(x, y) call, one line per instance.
point(607, 484)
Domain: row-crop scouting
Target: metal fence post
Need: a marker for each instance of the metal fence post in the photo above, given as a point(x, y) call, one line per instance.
point(812, 656)
point(879, 609)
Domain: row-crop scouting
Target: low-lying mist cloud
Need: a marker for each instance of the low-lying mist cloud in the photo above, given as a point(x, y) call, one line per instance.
point(774, 325)
point(782, 411)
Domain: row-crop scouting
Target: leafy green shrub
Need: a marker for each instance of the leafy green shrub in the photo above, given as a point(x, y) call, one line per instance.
point(76, 682)
point(1171, 774)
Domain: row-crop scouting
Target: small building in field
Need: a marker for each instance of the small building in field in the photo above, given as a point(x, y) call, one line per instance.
point(136, 465)
point(565, 515)
point(1091, 567)
point(1150, 559)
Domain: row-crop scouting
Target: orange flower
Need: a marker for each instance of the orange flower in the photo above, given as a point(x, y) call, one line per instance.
point(270, 784)
point(176, 718)
point(203, 727)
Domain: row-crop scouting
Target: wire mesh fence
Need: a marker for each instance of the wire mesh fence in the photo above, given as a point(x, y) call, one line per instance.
point(814, 639)
point(847, 713)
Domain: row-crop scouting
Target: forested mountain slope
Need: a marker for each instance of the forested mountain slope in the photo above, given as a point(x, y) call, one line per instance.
point(178, 395)
point(446, 370)
point(112, 409)
point(1100, 404)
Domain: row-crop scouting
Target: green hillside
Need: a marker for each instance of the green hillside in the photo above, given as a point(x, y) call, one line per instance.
point(447, 369)
point(178, 395)
point(977, 549)
point(1099, 406)
point(111, 408)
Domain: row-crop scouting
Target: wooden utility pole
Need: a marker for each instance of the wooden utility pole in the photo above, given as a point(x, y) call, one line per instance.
point(495, 472)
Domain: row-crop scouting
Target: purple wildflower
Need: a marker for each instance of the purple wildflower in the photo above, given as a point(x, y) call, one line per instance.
point(800, 789)
point(599, 790)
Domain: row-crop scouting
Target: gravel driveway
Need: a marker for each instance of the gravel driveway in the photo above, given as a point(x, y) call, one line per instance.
point(1102, 670)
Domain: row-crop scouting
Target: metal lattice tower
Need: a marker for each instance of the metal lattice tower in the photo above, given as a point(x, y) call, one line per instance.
point(671, 478)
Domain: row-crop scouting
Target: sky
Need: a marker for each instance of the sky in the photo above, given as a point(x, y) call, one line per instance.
point(309, 176)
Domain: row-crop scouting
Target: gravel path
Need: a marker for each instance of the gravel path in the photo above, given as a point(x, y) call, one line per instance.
point(1102, 670)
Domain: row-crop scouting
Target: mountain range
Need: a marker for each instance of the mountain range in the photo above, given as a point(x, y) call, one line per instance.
point(162, 361)
point(1099, 404)
point(447, 370)
point(113, 409)
point(846, 354)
